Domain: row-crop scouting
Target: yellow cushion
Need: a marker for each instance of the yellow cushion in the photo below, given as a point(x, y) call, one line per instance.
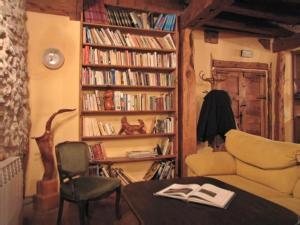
point(292, 204)
point(211, 163)
point(283, 180)
point(250, 186)
point(296, 192)
point(261, 152)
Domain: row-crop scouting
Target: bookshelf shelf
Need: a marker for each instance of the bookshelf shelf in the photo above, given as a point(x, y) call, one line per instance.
point(130, 48)
point(133, 30)
point(105, 51)
point(127, 159)
point(133, 112)
point(123, 67)
point(127, 87)
point(118, 137)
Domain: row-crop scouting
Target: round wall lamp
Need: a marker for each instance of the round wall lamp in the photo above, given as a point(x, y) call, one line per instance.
point(53, 58)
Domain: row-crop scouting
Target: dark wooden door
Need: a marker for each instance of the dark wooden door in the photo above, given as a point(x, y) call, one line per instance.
point(248, 93)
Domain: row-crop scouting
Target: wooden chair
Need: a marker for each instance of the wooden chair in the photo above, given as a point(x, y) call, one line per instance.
point(75, 184)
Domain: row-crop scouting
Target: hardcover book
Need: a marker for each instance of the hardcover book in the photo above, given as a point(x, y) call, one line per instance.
point(207, 194)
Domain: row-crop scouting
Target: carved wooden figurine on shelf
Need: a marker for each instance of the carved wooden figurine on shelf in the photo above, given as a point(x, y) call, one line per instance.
point(109, 100)
point(130, 129)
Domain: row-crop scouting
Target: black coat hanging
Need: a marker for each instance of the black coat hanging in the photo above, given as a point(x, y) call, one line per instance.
point(216, 116)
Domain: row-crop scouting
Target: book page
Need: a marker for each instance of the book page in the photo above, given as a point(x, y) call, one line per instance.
point(212, 194)
point(180, 191)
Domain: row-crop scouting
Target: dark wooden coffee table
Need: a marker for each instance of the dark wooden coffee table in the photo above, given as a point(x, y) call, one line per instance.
point(245, 208)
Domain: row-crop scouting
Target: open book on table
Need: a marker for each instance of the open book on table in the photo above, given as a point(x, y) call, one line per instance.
point(205, 194)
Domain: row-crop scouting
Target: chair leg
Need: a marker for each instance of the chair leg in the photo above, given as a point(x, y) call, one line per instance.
point(60, 210)
point(81, 207)
point(87, 209)
point(117, 203)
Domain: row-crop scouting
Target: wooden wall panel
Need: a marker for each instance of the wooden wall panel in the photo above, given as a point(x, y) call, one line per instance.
point(187, 87)
point(279, 98)
point(73, 8)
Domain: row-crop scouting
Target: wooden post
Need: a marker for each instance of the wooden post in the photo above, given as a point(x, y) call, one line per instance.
point(279, 98)
point(270, 104)
point(187, 101)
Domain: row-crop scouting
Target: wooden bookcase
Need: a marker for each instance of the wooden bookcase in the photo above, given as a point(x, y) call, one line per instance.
point(296, 95)
point(138, 89)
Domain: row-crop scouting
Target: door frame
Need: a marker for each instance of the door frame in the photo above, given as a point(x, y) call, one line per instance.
point(250, 67)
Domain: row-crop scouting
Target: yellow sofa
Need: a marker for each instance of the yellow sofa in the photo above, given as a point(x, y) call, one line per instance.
point(258, 165)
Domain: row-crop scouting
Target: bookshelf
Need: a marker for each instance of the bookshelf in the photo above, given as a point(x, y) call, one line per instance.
point(139, 65)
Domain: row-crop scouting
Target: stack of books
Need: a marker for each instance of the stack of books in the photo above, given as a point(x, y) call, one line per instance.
point(141, 154)
point(160, 170)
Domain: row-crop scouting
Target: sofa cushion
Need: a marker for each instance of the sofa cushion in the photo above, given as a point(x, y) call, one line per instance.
point(250, 186)
point(296, 191)
point(261, 152)
point(211, 163)
point(283, 180)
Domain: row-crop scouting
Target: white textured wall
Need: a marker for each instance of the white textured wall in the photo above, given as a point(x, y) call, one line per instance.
point(14, 107)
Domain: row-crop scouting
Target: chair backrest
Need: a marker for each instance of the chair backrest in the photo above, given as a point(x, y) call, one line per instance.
point(72, 157)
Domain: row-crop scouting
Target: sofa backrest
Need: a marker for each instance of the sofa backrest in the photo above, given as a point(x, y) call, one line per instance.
point(296, 191)
point(265, 161)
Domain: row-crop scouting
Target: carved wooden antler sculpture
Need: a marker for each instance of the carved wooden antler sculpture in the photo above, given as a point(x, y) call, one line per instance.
point(45, 144)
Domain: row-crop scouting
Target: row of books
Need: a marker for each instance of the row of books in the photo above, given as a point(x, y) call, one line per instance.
point(106, 36)
point(143, 20)
point(97, 152)
point(163, 126)
point(160, 170)
point(165, 148)
point(92, 127)
point(104, 171)
point(127, 102)
point(128, 58)
point(94, 11)
point(128, 77)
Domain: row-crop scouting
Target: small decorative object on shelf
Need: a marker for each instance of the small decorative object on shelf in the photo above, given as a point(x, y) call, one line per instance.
point(129, 129)
point(108, 100)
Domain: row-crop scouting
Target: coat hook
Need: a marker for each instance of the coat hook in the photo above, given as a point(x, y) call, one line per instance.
point(212, 80)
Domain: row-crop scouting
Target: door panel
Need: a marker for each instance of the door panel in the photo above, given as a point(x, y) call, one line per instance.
point(229, 81)
point(248, 93)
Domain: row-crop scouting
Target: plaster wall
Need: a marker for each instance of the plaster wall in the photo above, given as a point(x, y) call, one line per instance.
point(51, 90)
point(228, 49)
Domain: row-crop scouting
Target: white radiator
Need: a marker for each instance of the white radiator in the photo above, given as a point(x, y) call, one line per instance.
point(11, 191)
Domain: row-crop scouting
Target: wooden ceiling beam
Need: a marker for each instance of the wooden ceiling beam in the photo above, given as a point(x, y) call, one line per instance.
point(246, 10)
point(165, 6)
point(282, 44)
point(71, 8)
point(241, 26)
point(200, 11)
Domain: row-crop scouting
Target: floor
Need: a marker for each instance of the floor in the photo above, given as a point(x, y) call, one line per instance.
point(101, 213)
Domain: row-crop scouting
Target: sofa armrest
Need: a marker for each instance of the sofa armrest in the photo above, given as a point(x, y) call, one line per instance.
point(210, 163)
